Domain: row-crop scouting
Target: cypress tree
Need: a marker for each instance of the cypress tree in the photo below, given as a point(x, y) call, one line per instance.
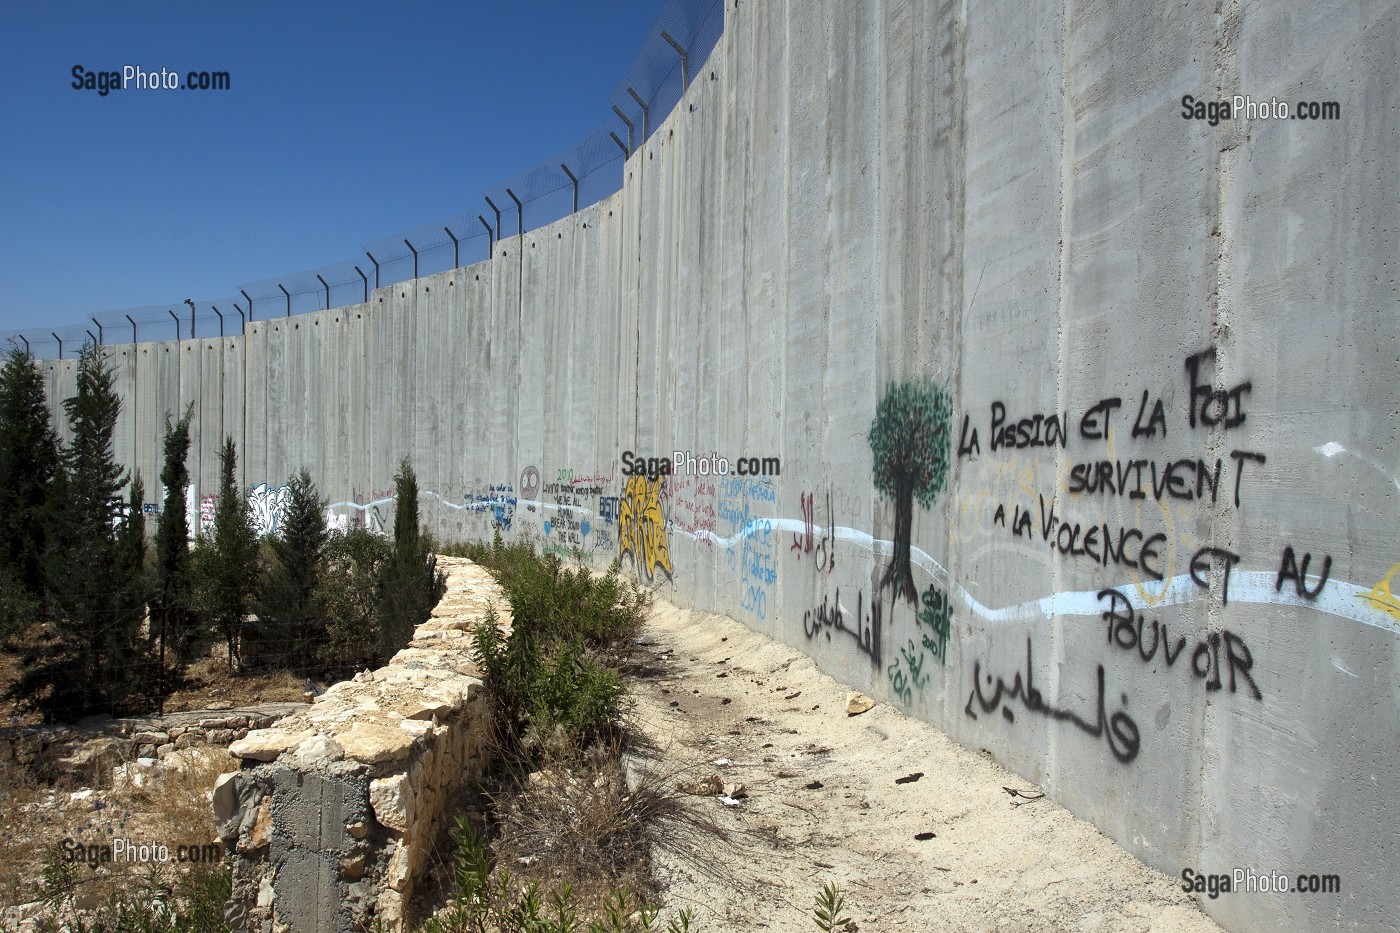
point(412, 584)
point(291, 620)
point(171, 615)
point(95, 659)
point(225, 565)
point(28, 465)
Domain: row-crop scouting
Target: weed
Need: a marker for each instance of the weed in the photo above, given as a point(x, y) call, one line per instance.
point(194, 905)
point(827, 911)
point(487, 899)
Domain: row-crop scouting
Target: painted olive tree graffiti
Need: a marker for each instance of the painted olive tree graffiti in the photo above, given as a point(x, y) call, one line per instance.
point(909, 442)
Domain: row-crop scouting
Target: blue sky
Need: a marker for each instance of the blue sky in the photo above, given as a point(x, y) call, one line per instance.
point(345, 123)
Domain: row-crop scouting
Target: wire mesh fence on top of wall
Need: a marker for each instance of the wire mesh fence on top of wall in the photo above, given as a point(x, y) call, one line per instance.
point(681, 39)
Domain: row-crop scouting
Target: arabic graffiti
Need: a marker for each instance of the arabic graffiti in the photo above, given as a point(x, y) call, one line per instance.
point(823, 550)
point(830, 616)
point(903, 683)
point(1124, 739)
point(642, 527)
point(937, 616)
point(934, 622)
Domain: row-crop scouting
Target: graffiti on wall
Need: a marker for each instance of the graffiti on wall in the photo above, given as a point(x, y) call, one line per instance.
point(693, 506)
point(1149, 549)
point(1137, 517)
point(744, 508)
point(1383, 595)
point(1123, 736)
point(496, 501)
point(864, 627)
point(208, 506)
point(933, 623)
point(642, 528)
point(909, 443)
point(821, 548)
point(268, 506)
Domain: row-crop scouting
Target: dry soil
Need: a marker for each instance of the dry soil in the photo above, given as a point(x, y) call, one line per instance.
point(824, 803)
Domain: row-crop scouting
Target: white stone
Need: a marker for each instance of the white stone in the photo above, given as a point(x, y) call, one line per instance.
point(392, 800)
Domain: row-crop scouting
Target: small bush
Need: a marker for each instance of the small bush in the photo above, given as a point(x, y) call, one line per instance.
point(195, 905)
point(351, 594)
point(574, 699)
point(486, 898)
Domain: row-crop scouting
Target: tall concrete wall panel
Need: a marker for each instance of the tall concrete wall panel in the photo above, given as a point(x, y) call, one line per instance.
point(1086, 413)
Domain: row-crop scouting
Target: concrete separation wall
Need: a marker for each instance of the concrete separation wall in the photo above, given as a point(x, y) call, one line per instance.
point(335, 809)
point(1086, 412)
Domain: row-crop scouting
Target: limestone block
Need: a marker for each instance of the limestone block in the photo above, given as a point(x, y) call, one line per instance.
point(266, 744)
point(393, 801)
point(373, 743)
point(225, 797)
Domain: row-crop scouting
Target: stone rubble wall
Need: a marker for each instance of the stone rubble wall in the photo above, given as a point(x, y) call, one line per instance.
point(334, 810)
point(137, 737)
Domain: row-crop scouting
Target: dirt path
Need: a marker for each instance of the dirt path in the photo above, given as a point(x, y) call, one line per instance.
point(823, 804)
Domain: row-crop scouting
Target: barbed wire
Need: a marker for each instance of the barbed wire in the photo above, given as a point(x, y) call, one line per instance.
point(677, 46)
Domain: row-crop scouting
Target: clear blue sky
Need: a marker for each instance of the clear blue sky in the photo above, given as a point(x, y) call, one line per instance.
point(345, 122)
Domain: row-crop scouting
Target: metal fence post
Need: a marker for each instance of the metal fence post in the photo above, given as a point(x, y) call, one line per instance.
point(490, 240)
point(685, 60)
point(519, 214)
point(623, 117)
point(289, 298)
point(646, 114)
point(415, 257)
point(575, 181)
point(455, 256)
point(328, 290)
point(498, 215)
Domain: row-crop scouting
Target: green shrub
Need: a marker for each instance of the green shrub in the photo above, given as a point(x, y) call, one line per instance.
point(351, 595)
point(573, 699)
point(551, 682)
point(291, 627)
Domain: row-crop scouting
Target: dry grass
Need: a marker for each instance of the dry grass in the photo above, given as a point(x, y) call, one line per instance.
point(590, 819)
point(207, 683)
point(169, 806)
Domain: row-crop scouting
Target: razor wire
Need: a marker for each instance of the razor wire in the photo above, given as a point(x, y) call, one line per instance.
point(679, 43)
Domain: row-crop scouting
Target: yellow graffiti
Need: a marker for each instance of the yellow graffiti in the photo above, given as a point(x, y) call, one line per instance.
point(1383, 594)
point(642, 527)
